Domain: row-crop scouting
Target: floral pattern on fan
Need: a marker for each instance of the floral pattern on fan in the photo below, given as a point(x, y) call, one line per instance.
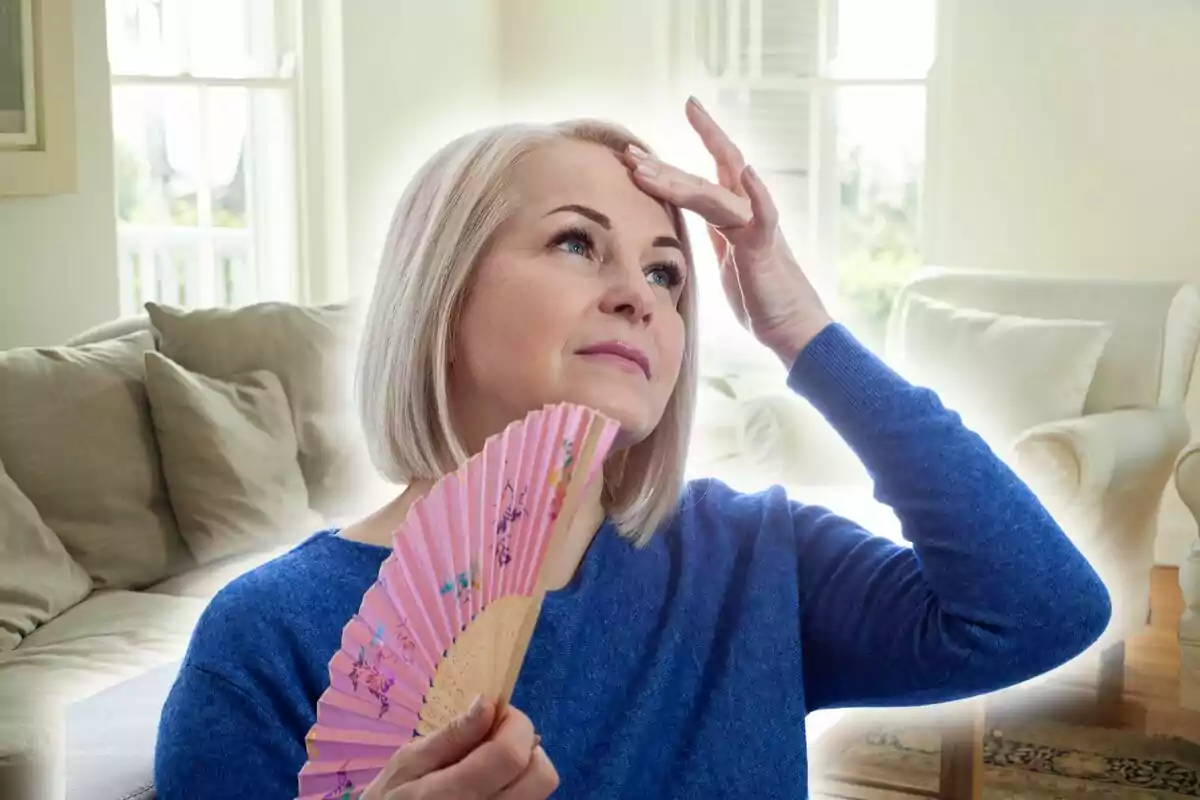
point(513, 511)
point(372, 674)
point(560, 477)
point(455, 602)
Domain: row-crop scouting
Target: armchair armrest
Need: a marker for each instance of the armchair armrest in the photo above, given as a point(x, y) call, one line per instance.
point(1187, 478)
point(1081, 460)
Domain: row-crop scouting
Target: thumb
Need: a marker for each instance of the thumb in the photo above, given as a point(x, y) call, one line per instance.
point(449, 744)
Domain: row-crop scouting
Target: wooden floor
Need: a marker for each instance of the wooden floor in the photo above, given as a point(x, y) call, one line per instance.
point(1150, 703)
point(1152, 667)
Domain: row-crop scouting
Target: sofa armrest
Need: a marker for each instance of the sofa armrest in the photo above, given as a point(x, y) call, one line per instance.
point(111, 736)
point(1187, 478)
point(1081, 460)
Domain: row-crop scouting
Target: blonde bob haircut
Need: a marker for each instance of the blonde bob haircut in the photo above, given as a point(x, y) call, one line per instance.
point(441, 228)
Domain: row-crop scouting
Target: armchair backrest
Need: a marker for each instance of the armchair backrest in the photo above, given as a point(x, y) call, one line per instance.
point(1146, 364)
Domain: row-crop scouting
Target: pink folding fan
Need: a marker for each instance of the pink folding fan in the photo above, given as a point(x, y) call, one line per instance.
point(454, 606)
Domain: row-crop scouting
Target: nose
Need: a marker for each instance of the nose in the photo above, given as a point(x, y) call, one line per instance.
point(629, 295)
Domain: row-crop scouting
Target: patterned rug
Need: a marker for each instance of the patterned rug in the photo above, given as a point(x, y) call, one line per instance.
point(1037, 762)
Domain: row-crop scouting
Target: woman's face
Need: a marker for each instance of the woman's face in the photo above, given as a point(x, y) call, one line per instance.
point(576, 301)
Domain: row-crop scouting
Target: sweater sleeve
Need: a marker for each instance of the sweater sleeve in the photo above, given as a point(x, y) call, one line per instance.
point(215, 740)
point(991, 593)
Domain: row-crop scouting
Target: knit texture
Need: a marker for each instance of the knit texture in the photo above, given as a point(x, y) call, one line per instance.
point(685, 669)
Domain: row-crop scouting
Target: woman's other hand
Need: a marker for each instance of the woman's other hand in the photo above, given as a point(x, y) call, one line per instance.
point(768, 290)
point(476, 756)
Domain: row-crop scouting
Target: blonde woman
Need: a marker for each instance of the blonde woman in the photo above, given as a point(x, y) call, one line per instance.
point(690, 628)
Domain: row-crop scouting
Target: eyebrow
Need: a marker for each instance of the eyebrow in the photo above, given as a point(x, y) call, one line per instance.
point(604, 222)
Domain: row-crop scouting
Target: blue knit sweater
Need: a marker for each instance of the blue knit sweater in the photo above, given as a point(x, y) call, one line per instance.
point(686, 669)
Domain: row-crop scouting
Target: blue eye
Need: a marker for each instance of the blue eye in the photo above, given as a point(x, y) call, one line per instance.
point(575, 241)
point(666, 275)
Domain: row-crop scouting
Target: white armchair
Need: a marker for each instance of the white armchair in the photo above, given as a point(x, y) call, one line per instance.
point(1187, 481)
point(1103, 473)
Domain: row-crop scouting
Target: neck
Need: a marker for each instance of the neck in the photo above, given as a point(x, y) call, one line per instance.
point(562, 561)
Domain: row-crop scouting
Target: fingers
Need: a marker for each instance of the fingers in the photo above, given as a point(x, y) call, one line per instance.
point(495, 764)
point(716, 204)
point(730, 161)
point(441, 749)
point(537, 782)
point(762, 207)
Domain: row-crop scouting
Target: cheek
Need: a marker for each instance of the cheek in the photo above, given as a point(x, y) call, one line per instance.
point(514, 325)
point(671, 338)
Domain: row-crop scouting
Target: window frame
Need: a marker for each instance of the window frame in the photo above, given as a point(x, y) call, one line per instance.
point(279, 260)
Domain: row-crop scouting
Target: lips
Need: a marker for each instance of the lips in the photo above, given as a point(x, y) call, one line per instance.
point(619, 350)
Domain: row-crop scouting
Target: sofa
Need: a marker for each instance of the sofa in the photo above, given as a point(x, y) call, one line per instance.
point(143, 465)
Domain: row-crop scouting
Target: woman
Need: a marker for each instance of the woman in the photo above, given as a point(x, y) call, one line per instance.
point(689, 630)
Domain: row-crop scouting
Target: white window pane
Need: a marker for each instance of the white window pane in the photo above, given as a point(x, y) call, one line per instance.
point(881, 160)
point(157, 154)
point(883, 38)
point(752, 38)
point(218, 38)
point(225, 150)
point(237, 38)
point(772, 126)
point(177, 271)
point(236, 279)
point(272, 208)
point(791, 38)
point(146, 36)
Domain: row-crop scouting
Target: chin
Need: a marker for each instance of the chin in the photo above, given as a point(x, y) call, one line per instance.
point(636, 415)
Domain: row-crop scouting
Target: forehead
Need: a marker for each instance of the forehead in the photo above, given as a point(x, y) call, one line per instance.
point(573, 172)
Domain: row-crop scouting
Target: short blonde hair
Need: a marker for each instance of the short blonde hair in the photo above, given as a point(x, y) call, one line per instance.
point(440, 230)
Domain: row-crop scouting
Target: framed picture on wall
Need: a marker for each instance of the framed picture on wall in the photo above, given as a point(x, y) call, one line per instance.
point(37, 97)
point(18, 90)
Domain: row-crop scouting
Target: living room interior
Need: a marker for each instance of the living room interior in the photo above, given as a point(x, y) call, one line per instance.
point(1000, 198)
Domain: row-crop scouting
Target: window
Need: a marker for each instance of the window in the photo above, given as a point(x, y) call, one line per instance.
point(827, 99)
point(204, 99)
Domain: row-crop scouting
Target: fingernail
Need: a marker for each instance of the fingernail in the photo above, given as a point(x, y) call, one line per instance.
point(752, 174)
point(637, 152)
point(537, 740)
point(696, 102)
point(475, 709)
point(647, 169)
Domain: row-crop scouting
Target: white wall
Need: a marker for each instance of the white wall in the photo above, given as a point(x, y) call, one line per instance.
point(412, 73)
point(606, 59)
point(58, 254)
point(1066, 139)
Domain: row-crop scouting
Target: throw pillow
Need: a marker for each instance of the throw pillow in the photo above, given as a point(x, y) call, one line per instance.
point(1002, 373)
point(38, 578)
point(312, 351)
point(229, 456)
point(77, 438)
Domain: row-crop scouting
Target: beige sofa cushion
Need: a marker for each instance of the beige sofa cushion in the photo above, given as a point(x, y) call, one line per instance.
point(78, 440)
point(312, 350)
point(38, 578)
point(229, 457)
point(1003, 373)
